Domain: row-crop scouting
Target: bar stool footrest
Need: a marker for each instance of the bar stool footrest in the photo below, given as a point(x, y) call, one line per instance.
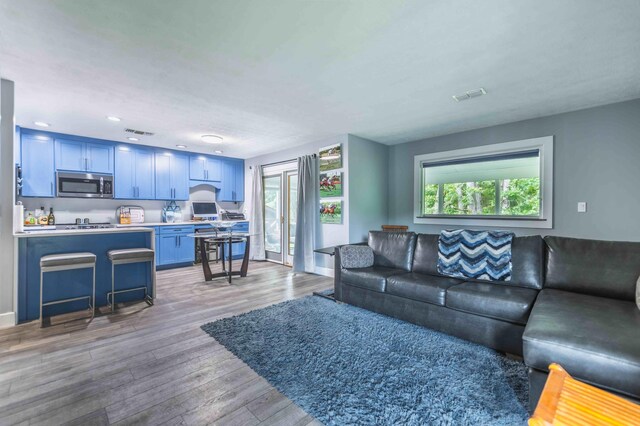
point(147, 297)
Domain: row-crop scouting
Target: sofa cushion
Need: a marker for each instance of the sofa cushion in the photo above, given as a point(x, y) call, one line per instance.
point(599, 268)
point(393, 249)
point(595, 339)
point(424, 288)
point(497, 301)
point(425, 259)
point(373, 278)
point(527, 259)
point(356, 256)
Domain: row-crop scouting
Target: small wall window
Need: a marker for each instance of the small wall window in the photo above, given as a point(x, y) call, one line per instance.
point(508, 184)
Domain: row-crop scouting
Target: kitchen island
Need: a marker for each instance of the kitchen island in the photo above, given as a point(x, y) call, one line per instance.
point(33, 245)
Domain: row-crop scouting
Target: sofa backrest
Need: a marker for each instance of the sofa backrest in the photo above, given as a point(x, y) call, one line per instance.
point(527, 259)
point(600, 268)
point(392, 249)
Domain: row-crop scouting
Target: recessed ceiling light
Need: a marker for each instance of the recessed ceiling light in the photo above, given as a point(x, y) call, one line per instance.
point(133, 139)
point(113, 118)
point(181, 146)
point(41, 124)
point(211, 138)
point(217, 151)
point(469, 94)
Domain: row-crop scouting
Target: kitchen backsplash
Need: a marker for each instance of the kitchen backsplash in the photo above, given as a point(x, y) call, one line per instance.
point(66, 210)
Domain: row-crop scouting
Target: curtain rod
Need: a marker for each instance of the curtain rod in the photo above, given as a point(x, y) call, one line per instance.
point(281, 162)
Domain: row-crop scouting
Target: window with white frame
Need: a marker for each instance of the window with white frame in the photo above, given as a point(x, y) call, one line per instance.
point(507, 184)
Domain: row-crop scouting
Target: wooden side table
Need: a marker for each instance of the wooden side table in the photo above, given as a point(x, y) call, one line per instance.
point(567, 401)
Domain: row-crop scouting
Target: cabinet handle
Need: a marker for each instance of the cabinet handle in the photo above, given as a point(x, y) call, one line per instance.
point(86, 167)
point(52, 193)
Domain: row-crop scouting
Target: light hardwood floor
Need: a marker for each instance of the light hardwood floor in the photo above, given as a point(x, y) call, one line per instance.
point(150, 365)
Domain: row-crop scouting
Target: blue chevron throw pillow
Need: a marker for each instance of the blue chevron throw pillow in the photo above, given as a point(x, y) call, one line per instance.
point(483, 255)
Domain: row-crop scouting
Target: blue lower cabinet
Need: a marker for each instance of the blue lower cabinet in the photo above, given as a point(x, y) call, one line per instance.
point(237, 249)
point(174, 246)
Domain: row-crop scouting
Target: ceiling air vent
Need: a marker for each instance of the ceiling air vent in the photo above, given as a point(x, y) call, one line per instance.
point(470, 94)
point(138, 132)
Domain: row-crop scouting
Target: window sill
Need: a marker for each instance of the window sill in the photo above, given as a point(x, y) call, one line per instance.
point(487, 221)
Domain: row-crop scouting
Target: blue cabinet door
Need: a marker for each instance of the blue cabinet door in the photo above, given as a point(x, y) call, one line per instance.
point(172, 176)
point(238, 194)
point(185, 251)
point(205, 168)
point(197, 165)
point(180, 176)
point(80, 156)
point(70, 155)
point(164, 190)
point(99, 157)
point(232, 184)
point(38, 168)
point(124, 179)
point(145, 175)
point(227, 183)
point(168, 249)
point(213, 169)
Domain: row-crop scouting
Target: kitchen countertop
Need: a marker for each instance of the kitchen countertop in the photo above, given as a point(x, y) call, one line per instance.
point(184, 223)
point(66, 232)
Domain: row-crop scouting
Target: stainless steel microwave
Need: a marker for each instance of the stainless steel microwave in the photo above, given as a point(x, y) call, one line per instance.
point(84, 185)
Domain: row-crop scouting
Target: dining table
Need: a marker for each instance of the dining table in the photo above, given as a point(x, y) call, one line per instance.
point(223, 235)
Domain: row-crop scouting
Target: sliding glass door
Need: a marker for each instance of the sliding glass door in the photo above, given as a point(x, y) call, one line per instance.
point(273, 217)
point(280, 208)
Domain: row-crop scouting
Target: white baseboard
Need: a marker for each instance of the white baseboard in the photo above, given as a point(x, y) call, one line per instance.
point(7, 319)
point(327, 272)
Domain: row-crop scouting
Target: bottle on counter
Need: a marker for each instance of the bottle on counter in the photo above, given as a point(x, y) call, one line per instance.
point(51, 219)
point(30, 219)
point(42, 217)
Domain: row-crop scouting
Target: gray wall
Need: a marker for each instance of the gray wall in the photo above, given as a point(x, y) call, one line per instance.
point(597, 160)
point(7, 200)
point(368, 186)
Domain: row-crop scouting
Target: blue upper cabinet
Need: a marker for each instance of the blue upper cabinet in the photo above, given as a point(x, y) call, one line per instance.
point(38, 167)
point(232, 185)
point(205, 168)
point(134, 173)
point(76, 155)
point(171, 176)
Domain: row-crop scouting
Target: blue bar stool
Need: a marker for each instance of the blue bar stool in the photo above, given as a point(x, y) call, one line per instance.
point(134, 255)
point(64, 262)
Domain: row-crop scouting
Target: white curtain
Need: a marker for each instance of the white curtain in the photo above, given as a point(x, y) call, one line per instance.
point(256, 218)
point(307, 217)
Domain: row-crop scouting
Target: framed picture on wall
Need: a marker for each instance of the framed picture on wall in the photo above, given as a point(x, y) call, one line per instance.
point(331, 184)
point(330, 157)
point(331, 212)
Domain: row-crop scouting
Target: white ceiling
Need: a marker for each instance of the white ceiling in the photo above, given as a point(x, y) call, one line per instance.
point(271, 74)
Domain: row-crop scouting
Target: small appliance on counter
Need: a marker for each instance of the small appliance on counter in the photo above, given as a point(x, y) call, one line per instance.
point(204, 210)
point(130, 214)
point(227, 215)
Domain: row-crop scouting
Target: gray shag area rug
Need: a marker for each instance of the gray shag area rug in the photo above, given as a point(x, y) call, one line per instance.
point(345, 366)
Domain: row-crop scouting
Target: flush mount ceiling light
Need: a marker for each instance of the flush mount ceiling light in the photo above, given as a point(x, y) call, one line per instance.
point(470, 94)
point(181, 146)
point(217, 151)
point(133, 139)
point(211, 138)
point(113, 118)
point(41, 124)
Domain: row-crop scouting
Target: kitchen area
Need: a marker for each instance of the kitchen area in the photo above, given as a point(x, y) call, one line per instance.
point(136, 208)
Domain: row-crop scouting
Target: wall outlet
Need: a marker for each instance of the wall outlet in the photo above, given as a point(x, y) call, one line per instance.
point(582, 207)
